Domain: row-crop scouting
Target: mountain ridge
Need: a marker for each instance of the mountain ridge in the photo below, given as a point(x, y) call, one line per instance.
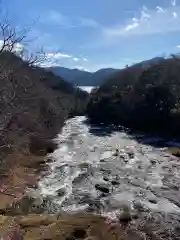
point(84, 78)
point(81, 77)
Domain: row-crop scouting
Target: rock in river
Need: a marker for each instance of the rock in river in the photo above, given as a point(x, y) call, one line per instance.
point(125, 217)
point(102, 187)
point(115, 182)
point(106, 179)
point(61, 192)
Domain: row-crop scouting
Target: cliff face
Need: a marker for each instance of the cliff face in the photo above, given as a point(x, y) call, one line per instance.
point(28, 106)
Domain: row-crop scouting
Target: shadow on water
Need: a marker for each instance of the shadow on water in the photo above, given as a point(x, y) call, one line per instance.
point(152, 139)
point(101, 130)
point(158, 141)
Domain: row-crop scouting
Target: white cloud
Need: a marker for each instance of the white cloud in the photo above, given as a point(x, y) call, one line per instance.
point(17, 48)
point(144, 14)
point(58, 55)
point(85, 59)
point(47, 64)
point(159, 9)
point(134, 19)
point(178, 46)
point(148, 22)
point(87, 22)
point(82, 68)
point(173, 2)
point(55, 59)
point(58, 58)
point(131, 26)
point(57, 17)
point(175, 15)
point(64, 21)
point(76, 59)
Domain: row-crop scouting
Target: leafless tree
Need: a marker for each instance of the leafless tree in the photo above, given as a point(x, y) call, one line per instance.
point(14, 40)
point(10, 37)
point(33, 58)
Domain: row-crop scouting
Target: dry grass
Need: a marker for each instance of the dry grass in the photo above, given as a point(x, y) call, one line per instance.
point(70, 227)
point(22, 174)
point(174, 151)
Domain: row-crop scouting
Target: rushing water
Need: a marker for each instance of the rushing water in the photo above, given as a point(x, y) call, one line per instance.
point(86, 88)
point(87, 174)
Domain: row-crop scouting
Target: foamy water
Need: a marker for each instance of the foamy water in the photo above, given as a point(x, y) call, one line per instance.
point(86, 88)
point(143, 174)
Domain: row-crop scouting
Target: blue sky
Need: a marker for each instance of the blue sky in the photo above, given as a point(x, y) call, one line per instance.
point(93, 34)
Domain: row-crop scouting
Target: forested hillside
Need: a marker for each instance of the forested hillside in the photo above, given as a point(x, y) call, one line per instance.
point(142, 98)
point(30, 105)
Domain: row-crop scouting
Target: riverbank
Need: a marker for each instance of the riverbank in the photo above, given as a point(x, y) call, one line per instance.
point(146, 217)
point(87, 227)
point(24, 172)
point(17, 220)
point(88, 175)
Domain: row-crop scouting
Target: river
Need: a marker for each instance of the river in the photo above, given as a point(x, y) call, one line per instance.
point(88, 174)
point(86, 88)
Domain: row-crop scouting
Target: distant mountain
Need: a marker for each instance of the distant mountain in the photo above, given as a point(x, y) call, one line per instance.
point(83, 78)
point(150, 62)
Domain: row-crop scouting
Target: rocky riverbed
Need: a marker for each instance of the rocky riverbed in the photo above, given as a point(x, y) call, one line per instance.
point(95, 171)
point(100, 183)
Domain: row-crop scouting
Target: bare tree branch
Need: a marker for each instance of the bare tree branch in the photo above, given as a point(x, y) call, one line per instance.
point(12, 37)
point(36, 58)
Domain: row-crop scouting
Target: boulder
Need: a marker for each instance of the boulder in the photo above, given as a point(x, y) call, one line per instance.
point(153, 161)
point(80, 177)
point(153, 201)
point(115, 182)
point(124, 157)
point(131, 155)
point(125, 217)
point(138, 206)
point(116, 154)
point(102, 187)
point(174, 151)
point(61, 192)
point(105, 179)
